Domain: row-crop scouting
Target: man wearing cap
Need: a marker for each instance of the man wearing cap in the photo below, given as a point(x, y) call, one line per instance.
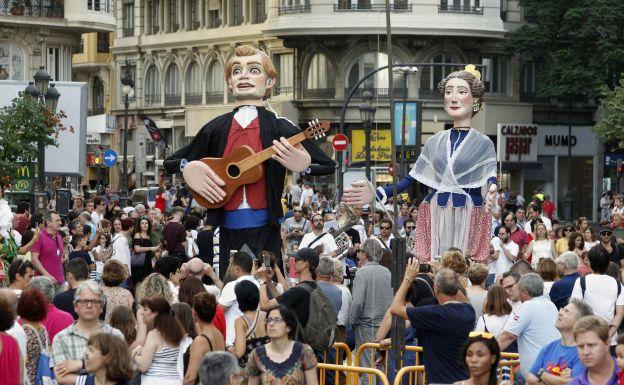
point(615, 251)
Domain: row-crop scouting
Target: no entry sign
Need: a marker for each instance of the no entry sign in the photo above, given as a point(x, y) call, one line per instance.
point(340, 142)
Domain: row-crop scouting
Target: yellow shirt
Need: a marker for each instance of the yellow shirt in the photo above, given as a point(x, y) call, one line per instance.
point(561, 245)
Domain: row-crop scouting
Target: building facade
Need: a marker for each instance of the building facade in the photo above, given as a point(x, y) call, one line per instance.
point(178, 48)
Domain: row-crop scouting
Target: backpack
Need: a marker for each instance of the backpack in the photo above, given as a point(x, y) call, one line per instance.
point(320, 330)
point(44, 374)
point(584, 286)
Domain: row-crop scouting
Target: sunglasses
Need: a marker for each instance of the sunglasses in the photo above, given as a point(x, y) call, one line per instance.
point(384, 227)
point(409, 227)
point(606, 233)
point(487, 336)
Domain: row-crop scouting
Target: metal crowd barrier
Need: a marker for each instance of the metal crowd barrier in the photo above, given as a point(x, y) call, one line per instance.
point(352, 373)
point(398, 380)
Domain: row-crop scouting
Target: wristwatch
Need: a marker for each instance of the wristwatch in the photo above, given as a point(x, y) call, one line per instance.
point(539, 373)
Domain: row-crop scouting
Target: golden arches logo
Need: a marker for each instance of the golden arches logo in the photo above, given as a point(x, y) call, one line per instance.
point(21, 185)
point(23, 172)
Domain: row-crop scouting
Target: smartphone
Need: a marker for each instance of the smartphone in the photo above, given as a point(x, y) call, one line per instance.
point(266, 260)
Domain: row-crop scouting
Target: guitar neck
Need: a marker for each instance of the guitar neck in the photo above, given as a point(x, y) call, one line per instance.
point(267, 153)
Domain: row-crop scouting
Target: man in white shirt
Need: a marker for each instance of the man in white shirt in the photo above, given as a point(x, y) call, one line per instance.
point(505, 251)
point(533, 325)
point(295, 192)
point(534, 212)
point(98, 211)
point(318, 239)
point(602, 292)
point(239, 269)
point(306, 195)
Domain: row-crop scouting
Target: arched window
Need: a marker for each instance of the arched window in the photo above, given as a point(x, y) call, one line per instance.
point(431, 76)
point(215, 83)
point(152, 86)
point(193, 85)
point(172, 86)
point(376, 84)
point(98, 96)
point(320, 80)
point(11, 62)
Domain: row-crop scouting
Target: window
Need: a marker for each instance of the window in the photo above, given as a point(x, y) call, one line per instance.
point(122, 71)
point(194, 15)
point(430, 76)
point(495, 77)
point(172, 85)
point(260, 11)
point(376, 84)
point(238, 12)
point(128, 18)
point(98, 96)
point(193, 85)
point(99, 5)
point(285, 68)
point(152, 87)
point(213, 19)
point(154, 16)
point(103, 42)
point(215, 83)
point(11, 62)
point(174, 15)
point(320, 78)
point(528, 78)
point(59, 63)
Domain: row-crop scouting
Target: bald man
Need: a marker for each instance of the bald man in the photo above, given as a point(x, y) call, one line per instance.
point(197, 268)
point(16, 330)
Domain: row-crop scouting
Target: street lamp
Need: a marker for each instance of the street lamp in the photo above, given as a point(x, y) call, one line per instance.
point(47, 96)
point(128, 91)
point(406, 71)
point(367, 115)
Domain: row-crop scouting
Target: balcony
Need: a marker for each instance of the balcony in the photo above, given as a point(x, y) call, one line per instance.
point(127, 32)
point(173, 99)
point(214, 23)
point(442, 8)
point(287, 9)
point(39, 8)
point(371, 7)
point(193, 98)
point(214, 97)
point(319, 93)
point(99, 110)
point(381, 93)
point(152, 99)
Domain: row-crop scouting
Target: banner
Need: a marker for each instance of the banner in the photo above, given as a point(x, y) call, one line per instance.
point(411, 122)
point(380, 146)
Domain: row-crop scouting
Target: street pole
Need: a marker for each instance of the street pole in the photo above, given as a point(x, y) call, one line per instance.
point(367, 132)
point(41, 167)
point(402, 169)
point(569, 200)
point(124, 182)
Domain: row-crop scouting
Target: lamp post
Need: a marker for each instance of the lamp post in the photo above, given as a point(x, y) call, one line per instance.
point(568, 200)
point(406, 71)
point(367, 114)
point(47, 96)
point(127, 90)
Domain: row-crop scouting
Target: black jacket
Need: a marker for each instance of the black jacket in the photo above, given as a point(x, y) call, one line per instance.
point(211, 141)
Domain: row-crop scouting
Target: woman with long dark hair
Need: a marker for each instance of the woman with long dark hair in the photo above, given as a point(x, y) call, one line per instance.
point(481, 354)
point(157, 355)
point(142, 250)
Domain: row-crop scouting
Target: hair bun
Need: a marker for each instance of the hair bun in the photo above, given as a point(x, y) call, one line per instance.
point(470, 68)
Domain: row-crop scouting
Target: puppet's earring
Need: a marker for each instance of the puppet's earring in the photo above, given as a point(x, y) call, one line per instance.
point(476, 107)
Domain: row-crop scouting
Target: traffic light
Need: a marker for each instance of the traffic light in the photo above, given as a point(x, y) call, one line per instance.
point(619, 167)
point(96, 160)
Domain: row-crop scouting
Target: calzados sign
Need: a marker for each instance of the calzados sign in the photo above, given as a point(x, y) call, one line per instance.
point(516, 142)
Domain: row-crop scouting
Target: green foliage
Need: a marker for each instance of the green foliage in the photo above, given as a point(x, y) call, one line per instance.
point(611, 128)
point(23, 125)
point(582, 42)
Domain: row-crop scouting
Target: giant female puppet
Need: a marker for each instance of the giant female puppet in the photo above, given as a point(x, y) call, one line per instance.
point(456, 164)
point(252, 214)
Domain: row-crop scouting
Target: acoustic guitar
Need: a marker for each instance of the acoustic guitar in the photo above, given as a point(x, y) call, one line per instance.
point(244, 166)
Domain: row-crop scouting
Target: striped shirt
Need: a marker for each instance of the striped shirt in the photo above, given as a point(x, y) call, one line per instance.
point(165, 363)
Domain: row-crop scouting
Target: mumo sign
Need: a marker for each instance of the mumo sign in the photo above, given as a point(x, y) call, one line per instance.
point(516, 142)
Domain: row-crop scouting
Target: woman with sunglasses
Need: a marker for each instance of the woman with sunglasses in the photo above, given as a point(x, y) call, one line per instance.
point(481, 355)
point(562, 243)
point(283, 360)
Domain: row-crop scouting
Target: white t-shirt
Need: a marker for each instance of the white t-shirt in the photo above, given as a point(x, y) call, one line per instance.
point(174, 291)
point(534, 325)
point(121, 249)
point(493, 323)
point(228, 300)
point(96, 218)
point(345, 308)
point(600, 294)
point(503, 264)
point(295, 191)
point(327, 240)
point(212, 289)
point(545, 220)
point(305, 194)
point(16, 331)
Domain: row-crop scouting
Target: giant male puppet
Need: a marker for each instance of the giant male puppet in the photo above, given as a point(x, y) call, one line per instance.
point(251, 214)
point(457, 164)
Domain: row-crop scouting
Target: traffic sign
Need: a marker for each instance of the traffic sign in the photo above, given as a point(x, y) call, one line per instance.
point(110, 157)
point(340, 142)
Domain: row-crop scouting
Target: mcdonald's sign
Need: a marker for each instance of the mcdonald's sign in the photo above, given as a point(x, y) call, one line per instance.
point(23, 171)
point(24, 176)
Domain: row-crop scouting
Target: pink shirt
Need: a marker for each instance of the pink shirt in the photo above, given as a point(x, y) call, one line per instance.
point(50, 251)
point(56, 320)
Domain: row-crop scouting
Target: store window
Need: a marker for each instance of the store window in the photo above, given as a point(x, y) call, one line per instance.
point(11, 62)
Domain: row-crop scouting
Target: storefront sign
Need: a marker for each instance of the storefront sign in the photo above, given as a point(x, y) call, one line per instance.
point(553, 140)
point(516, 142)
point(94, 138)
point(381, 142)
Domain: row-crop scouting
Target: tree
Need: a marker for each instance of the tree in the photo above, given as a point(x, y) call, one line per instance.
point(611, 128)
point(23, 125)
point(582, 42)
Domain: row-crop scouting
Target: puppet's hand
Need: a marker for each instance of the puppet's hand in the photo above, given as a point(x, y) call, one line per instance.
point(361, 192)
point(204, 181)
point(294, 158)
point(489, 198)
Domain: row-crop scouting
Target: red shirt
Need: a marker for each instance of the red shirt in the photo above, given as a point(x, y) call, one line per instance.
point(219, 320)
point(160, 203)
point(250, 136)
point(549, 209)
point(56, 320)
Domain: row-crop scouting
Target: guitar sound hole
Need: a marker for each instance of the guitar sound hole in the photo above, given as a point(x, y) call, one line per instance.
point(233, 171)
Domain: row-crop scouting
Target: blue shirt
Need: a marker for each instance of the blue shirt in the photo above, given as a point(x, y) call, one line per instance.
point(562, 289)
point(555, 358)
point(583, 380)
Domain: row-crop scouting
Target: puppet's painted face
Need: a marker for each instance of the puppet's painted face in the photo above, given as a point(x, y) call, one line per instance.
point(249, 80)
point(458, 99)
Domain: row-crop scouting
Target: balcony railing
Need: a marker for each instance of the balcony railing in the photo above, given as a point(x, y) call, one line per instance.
point(173, 99)
point(152, 99)
point(319, 93)
point(99, 110)
point(442, 8)
point(286, 9)
point(213, 97)
point(348, 7)
point(283, 90)
point(214, 23)
point(128, 32)
point(41, 8)
point(381, 93)
point(238, 20)
point(193, 98)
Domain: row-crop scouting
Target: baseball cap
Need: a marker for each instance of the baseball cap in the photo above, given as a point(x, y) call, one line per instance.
point(606, 228)
point(309, 255)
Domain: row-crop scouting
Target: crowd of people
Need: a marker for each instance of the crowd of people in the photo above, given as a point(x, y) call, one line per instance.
point(113, 295)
